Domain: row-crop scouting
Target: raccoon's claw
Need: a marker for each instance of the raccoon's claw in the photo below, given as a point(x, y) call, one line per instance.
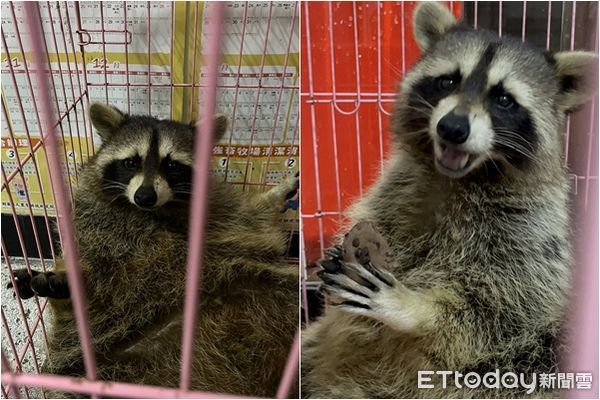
point(357, 288)
point(336, 251)
point(23, 281)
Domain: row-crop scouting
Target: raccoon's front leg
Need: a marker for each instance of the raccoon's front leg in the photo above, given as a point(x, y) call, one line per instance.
point(44, 284)
point(375, 293)
point(277, 196)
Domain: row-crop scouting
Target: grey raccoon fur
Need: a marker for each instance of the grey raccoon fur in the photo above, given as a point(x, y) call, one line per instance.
point(134, 266)
point(483, 258)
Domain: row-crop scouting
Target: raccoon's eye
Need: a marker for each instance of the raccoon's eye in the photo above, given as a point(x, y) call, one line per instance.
point(174, 166)
point(131, 163)
point(447, 82)
point(505, 101)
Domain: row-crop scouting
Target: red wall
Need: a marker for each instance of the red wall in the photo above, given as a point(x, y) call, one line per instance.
point(365, 120)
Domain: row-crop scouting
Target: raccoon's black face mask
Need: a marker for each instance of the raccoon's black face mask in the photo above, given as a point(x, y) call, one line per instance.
point(476, 99)
point(145, 161)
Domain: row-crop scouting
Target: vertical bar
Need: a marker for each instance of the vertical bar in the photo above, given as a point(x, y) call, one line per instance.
point(500, 18)
point(85, 127)
point(304, 272)
point(524, 22)
point(104, 62)
point(84, 67)
point(194, 56)
point(57, 104)
point(548, 25)
point(571, 47)
point(64, 92)
point(202, 153)
point(149, 61)
point(403, 38)
point(127, 59)
point(379, 90)
point(63, 206)
point(262, 67)
point(291, 369)
point(338, 189)
point(170, 60)
point(475, 12)
point(593, 129)
point(315, 148)
point(358, 96)
point(237, 89)
point(64, 40)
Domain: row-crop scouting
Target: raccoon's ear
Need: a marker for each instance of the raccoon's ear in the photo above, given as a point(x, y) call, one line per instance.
point(106, 119)
point(431, 21)
point(577, 73)
point(220, 127)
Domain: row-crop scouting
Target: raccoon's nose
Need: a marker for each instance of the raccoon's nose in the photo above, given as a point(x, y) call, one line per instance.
point(145, 196)
point(453, 128)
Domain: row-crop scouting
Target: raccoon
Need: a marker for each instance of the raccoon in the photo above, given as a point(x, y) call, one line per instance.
point(131, 211)
point(474, 205)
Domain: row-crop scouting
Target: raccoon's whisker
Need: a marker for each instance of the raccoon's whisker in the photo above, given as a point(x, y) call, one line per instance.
point(516, 147)
point(424, 101)
point(394, 69)
point(422, 110)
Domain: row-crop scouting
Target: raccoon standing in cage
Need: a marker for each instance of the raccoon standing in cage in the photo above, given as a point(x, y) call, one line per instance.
point(131, 223)
point(474, 205)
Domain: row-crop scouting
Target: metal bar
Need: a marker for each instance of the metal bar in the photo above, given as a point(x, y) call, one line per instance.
point(524, 21)
point(85, 127)
point(313, 123)
point(202, 153)
point(195, 85)
point(237, 87)
point(62, 30)
point(149, 61)
point(64, 93)
point(262, 67)
point(291, 370)
point(63, 206)
point(127, 61)
point(84, 70)
point(194, 56)
point(572, 47)
point(106, 389)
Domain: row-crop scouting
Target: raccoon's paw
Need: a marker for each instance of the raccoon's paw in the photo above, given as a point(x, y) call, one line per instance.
point(44, 284)
point(23, 281)
point(367, 291)
point(290, 186)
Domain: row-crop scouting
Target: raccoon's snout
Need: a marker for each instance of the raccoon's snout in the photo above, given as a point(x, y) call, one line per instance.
point(453, 128)
point(145, 197)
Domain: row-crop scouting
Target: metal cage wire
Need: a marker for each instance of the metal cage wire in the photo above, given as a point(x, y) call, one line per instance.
point(353, 56)
point(59, 30)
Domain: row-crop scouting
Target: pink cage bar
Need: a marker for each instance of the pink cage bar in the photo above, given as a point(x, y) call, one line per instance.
point(361, 50)
point(59, 27)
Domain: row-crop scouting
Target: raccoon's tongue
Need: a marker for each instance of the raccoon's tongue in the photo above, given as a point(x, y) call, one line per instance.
point(454, 159)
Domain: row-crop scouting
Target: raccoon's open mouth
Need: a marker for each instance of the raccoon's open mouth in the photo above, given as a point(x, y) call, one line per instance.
point(451, 161)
